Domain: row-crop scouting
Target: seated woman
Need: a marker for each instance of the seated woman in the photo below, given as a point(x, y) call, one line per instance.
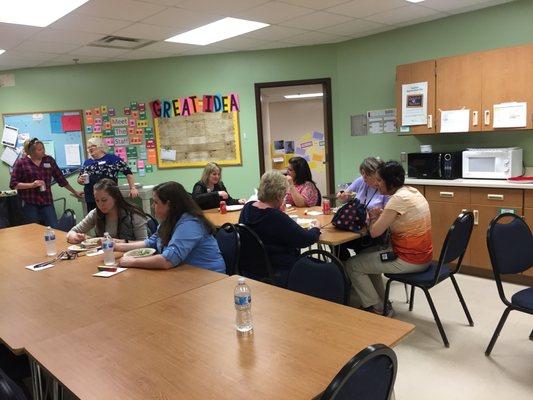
point(184, 235)
point(113, 214)
point(281, 235)
point(365, 189)
point(209, 191)
point(408, 217)
point(302, 190)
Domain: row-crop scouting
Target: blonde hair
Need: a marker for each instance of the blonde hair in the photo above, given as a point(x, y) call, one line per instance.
point(98, 142)
point(273, 187)
point(29, 145)
point(210, 167)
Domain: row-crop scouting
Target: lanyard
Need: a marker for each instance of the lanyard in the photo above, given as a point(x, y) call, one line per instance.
point(366, 195)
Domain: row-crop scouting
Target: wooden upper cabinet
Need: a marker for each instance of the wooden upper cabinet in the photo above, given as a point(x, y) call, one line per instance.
point(459, 86)
point(507, 76)
point(423, 71)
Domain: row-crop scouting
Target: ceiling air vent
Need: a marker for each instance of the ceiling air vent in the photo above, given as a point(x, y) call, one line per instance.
point(119, 42)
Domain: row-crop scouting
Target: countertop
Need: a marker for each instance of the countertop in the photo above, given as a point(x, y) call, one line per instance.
point(484, 183)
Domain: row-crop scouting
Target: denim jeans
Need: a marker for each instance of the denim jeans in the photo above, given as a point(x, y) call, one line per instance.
point(40, 214)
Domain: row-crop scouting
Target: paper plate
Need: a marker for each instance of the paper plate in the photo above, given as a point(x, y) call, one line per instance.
point(76, 247)
point(138, 253)
point(92, 242)
point(236, 207)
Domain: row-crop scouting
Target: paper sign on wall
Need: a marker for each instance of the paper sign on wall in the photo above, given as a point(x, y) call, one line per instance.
point(121, 152)
point(9, 156)
point(169, 155)
point(9, 137)
point(414, 103)
point(510, 115)
point(151, 157)
point(72, 154)
point(122, 141)
point(455, 121)
point(119, 121)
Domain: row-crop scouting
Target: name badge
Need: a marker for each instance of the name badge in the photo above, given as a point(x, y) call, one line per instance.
point(101, 162)
point(47, 165)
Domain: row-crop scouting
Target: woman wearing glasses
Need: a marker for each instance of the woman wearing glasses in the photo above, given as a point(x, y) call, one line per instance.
point(102, 165)
point(32, 176)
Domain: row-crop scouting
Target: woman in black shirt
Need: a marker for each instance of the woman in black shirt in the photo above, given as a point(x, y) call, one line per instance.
point(209, 191)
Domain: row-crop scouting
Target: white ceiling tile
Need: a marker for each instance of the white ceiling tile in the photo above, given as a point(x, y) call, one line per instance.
point(364, 8)
point(7, 64)
point(46, 47)
point(222, 7)
point(169, 47)
point(402, 14)
point(181, 19)
point(316, 20)
point(448, 5)
point(355, 27)
point(97, 51)
point(145, 31)
point(241, 43)
point(315, 4)
point(165, 2)
point(11, 35)
point(274, 32)
point(24, 55)
point(87, 23)
point(475, 6)
point(143, 54)
point(315, 38)
point(201, 50)
point(67, 59)
point(427, 18)
point(128, 10)
point(67, 36)
point(274, 12)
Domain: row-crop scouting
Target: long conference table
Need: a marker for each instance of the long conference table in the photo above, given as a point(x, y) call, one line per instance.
point(170, 334)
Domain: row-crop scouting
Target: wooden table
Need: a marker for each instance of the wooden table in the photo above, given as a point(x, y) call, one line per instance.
point(330, 235)
point(43, 304)
point(186, 347)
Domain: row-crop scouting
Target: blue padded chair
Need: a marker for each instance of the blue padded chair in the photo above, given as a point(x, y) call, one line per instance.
point(370, 375)
point(510, 246)
point(254, 261)
point(229, 243)
point(67, 221)
point(454, 248)
point(323, 279)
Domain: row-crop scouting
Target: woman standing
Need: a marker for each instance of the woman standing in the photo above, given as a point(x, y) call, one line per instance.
point(302, 190)
point(32, 177)
point(113, 214)
point(184, 234)
point(209, 191)
point(102, 165)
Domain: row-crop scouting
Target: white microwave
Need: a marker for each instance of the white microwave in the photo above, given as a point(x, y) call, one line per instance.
point(501, 163)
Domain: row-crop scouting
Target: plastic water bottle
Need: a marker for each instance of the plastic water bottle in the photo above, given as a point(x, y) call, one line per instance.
point(243, 307)
point(107, 247)
point(50, 241)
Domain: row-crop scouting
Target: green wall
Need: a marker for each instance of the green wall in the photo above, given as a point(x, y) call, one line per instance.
point(362, 73)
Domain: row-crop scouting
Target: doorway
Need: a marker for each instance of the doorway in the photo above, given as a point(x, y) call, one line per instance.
point(294, 119)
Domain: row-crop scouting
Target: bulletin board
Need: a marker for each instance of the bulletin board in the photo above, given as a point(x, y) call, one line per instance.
point(194, 140)
point(61, 132)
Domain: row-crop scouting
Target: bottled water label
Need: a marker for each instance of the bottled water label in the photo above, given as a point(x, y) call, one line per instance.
point(49, 237)
point(107, 245)
point(242, 300)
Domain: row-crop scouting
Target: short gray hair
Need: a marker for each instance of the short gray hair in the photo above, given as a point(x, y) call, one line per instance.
point(273, 187)
point(98, 142)
point(370, 165)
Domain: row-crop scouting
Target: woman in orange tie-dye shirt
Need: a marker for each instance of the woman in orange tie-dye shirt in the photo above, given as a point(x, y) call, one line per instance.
point(409, 220)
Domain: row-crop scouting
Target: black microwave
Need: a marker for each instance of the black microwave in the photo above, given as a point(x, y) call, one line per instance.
point(435, 165)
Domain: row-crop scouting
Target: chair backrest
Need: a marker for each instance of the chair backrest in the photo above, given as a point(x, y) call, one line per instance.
point(229, 243)
point(9, 390)
point(456, 242)
point(253, 258)
point(151, 224)
point(320, 278)
point(67, 220)
point(370, 375)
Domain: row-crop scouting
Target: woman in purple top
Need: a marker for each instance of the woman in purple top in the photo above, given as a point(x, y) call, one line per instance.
point(365, 189)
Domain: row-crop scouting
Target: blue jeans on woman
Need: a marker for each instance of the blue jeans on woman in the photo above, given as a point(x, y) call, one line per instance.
point(40, 214)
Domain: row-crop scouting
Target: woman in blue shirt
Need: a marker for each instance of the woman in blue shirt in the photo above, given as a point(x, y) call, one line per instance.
point(184, 235)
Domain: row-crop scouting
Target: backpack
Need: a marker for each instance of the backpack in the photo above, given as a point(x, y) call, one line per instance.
point(351, 216)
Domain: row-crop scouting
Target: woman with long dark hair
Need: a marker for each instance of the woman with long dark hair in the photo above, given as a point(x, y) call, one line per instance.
point(302, 189)
point(184, 234)
point(113, 214)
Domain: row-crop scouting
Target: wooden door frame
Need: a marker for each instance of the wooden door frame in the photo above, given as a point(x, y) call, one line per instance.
point(328, 122)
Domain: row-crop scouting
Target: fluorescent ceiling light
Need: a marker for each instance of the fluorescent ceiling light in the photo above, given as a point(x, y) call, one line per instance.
point(2, 51)
point(303, 95)
point(415, 1)
point(39, 13)
point(216, 31)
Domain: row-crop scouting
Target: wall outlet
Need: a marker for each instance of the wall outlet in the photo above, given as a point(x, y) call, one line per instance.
point(403, 156)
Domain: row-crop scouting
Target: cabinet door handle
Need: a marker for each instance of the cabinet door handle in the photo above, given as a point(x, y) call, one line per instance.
point(446, 194)
point(430, 121)
point(475, 115)
point(464, 210)
point(492, 196)
point(476, 217)
point(487, 117)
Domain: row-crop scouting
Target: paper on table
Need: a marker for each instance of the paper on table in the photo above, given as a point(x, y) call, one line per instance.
point(169, 155)
point(107, 274)
point(9, 137)
point(510, 115)
point(314, 213)
point(72, 154)
point(455, 121)
point(9, 156)
point(31, 267)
